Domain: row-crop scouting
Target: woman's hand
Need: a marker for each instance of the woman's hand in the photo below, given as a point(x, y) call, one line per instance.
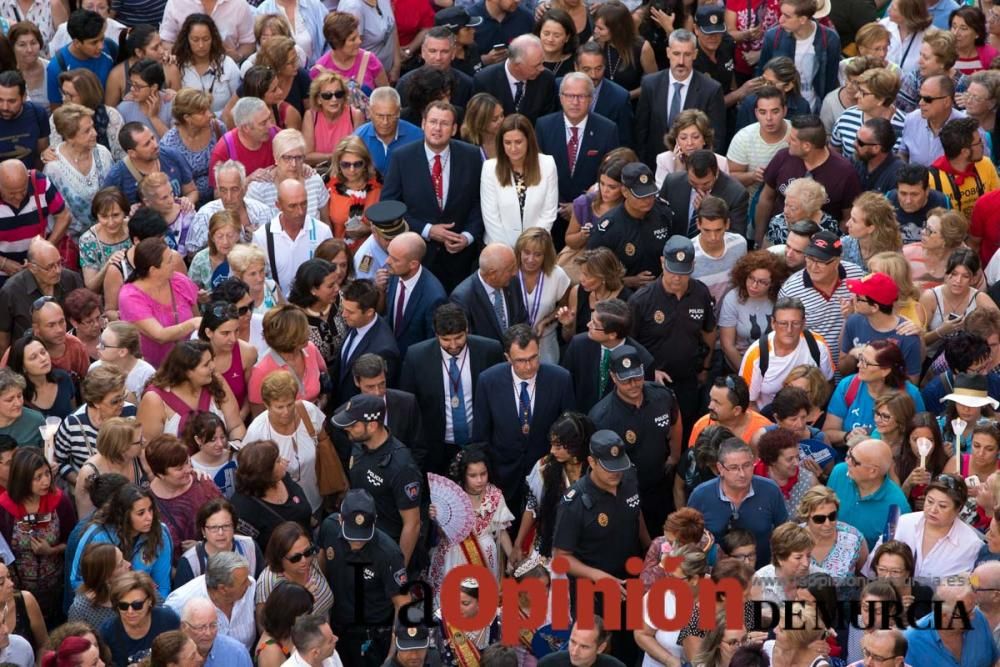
point(432, 512)
point(186, 204)
point(41, 547)
point(950, 326)
point(566, 316)
point(48, 155)
point(663, 19)
point(918, 477)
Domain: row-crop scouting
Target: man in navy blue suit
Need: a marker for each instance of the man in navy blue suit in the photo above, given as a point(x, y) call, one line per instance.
point(521, 84)
point(438, 180)
point(366, 332)
point(610, 99)
point(577, 140)
point(437, 51)
point(413, 292)
point(490, 297)
point(516, 403)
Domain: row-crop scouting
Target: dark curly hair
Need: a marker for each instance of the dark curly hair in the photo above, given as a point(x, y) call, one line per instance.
point(773, 442)
point(754, 261)
point(474, 453)
point(117, 515)
point(182, 47)
point(184, 357)
point(572, 430)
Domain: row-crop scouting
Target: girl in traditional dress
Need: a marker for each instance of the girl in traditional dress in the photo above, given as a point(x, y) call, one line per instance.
point(492, 518)
point(460, 648)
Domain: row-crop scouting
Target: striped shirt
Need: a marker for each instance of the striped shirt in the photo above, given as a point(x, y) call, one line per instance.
point(845, 130)
point(749, 148)
point(317, 195)
point(134, 12)
point(823, 314)
point(19, 225)
point(76, 439)
point(317, 585)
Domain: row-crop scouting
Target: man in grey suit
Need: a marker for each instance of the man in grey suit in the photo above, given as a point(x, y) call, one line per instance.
point(663, 95)
point(684, 191)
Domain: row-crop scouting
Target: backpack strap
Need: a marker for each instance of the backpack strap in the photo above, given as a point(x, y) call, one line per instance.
point(852, 390)
point(812, 345)
point(764, 356)
point(269, 235)
point(42, 221)
point(63, 67)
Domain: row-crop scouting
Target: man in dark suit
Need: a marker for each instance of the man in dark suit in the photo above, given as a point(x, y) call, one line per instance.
point(490, 297)
point(516, 403)
point(588, 355)
point(577, 140)
point(522, 84)
point(402, 414)
point(610, 99)
point(438, 180)
point(412, 293)
point(442, 374)
point(366, 332)
point(437, 52)
point(665, 94)
point(686, 189)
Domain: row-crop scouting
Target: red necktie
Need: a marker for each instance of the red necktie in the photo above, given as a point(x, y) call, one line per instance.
point(572, 147)
point(437, 176)
point(398, 319)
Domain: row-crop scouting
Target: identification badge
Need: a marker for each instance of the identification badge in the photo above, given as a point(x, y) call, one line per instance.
point(602, 519)
point(366, 264)
point(525, 429)
point(629, 249)
point(454, 401)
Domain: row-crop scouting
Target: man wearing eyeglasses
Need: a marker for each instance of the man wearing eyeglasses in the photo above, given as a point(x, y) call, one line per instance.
point(882, 648)
point(26, 292)
point(864, 489)
point(963, 173)
point(972, 641)
point(874, 319)
point(921, 143)
point(200, 624)
point(227, 584)
point(986, 586)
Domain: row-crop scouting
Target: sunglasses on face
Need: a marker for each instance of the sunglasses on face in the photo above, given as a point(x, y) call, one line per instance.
point(820, 519)
point(928, 99)
point(330, 94)
point(358, 164)
point(136, 606)
point(308, 553)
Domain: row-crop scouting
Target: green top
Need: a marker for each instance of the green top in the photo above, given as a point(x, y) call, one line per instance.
point(25, 429)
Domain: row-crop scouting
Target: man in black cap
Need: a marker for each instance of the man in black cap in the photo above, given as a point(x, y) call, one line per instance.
point(644, 415)
point(384, 467)
point(674, 318)
point(822, 287)
point(599, 526)
point(413, 643)
point(386, 218)
point(636, 229)
point(348, 541)
point(716, 50)
point(463, 26)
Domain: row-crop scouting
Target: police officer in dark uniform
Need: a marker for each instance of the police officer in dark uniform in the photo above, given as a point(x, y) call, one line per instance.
point(384, 467)
point(349, 541)
point(644, 415)
point(674, 319)
point(414, 647)
point(636, 229)
point(599, 526)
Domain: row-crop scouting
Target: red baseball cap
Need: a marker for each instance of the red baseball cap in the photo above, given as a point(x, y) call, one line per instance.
point(878, 287)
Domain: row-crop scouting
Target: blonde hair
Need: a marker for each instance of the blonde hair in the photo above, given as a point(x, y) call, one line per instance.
point(243, 255)
point(278, 385)
point(67, 119)
point(325, 78)
point(101, 381)
point(188, 102)
point(810, 193)
point(819, 388)
point(881, 216)
point(883, 84)
point(149, 184)
point(814, 498)
point(690, 118)
point(789, 538)
point(894, 265)
point(539, 239)
point(954, 225)
point(287, 140)
point(115, 437)
point(870, 33)
point(942, 44)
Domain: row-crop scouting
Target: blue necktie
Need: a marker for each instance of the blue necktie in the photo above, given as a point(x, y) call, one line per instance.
point(525, 408)
point(675, 104)
point(518, 95)
point(459, 420)
point(346, 352)
point(498, 309)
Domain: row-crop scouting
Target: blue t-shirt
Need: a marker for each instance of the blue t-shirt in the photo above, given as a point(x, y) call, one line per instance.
point(978, 648)
point(858, 331)
point(124, 649)
point(19, 136)
point(101, 66)
point(911, 225)
point(861, 411)
point(869, 514)
point(171, 164)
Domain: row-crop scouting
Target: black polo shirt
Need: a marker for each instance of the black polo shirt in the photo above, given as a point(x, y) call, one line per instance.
point(671, 328)
point(392, 477)
point(21, 290)
point(382, 571)
point(645, 430)
point(599, 528)
point(721, 69)
point(883, 178)
point(638, 242)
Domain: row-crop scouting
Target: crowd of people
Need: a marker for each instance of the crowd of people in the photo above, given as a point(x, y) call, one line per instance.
point(304, 302)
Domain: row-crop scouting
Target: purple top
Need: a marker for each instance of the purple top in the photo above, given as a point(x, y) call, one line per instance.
point(135, 306)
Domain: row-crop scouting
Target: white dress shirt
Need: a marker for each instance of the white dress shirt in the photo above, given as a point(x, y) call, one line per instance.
point(489, 295)
point(685, 87)
point(359, 334)
point(242, 626)
point(410, 284)
point(289, 253)
point(955, 552)
point(295, 660)
point(465, 368)
point(512, 81)
point(517, 391)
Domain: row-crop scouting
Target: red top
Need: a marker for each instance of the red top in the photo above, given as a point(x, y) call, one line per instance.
point(986, 224)
point(262, 158)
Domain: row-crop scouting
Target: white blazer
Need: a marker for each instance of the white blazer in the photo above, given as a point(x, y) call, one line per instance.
point(501, 210)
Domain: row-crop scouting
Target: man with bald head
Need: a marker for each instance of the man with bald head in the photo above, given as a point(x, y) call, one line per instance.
point(964, 632)
point(413, 292)
point(986, 587)
point(45, 276)
point(290, 239)
point(490, 297)
point(48, 324)
point(200, 623)
point(20, 217)
point(883, 648)
point(522, 84)
point(865, 491)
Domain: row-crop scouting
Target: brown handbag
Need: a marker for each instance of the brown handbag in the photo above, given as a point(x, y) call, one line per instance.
point(330, 476)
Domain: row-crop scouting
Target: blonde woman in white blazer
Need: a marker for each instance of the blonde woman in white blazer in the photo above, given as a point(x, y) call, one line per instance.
point(518, 167)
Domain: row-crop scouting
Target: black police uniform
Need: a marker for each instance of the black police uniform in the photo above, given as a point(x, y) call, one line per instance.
point(671, 329)
point(638, 242)
point(383, 575)
point(601, 530)
point(721, 69)
point(646, 433)
point(390, 474)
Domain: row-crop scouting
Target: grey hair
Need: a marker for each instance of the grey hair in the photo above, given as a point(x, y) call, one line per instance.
point(308, 631)
point(789, 303)
point(681, 35)
point(220, 568)
point(196, 604)
point(9, 380)
point(245, 109)
point(577, 76)
point(733, 446)
point(520, 46)
point(385, 94)
point(236, 166)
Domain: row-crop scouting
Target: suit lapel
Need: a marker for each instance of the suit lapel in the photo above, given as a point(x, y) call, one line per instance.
point(390, 302)
point(416, 296)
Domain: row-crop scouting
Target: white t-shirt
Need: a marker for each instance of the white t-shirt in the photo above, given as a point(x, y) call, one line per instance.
point(666, 639)
point(805, 62)
point(762, 390)
point(18, 652)
point(714, 271)
point(747, 147)
point(299, 449)
point(137, 378)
